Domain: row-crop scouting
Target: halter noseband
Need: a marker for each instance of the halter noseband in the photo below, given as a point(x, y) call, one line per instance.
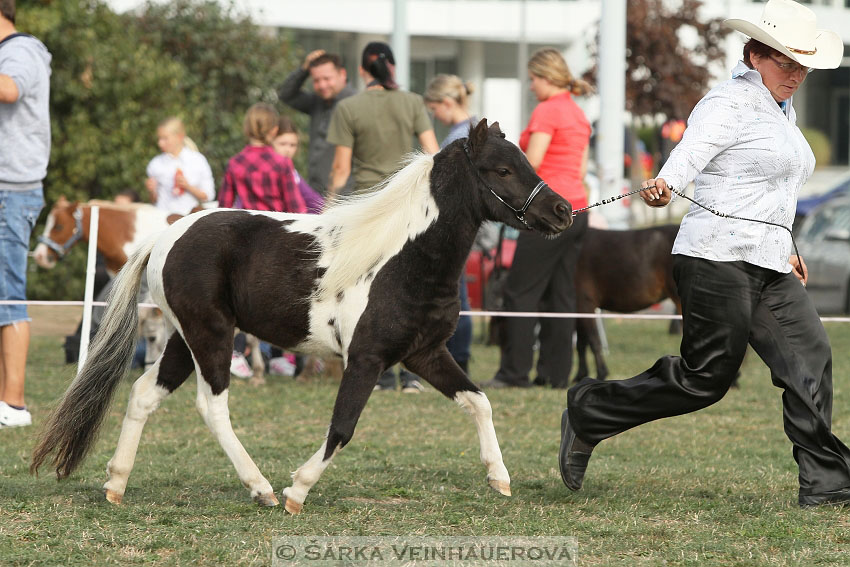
point(520, 213)
point(61, 249)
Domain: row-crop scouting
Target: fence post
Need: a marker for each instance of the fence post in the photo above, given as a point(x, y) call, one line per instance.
point(94, 216)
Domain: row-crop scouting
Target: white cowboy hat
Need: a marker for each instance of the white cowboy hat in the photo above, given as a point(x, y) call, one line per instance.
point(790, 28)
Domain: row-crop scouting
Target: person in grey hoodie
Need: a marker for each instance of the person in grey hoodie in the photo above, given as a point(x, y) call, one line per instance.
point(329, 87)
point(24, 153)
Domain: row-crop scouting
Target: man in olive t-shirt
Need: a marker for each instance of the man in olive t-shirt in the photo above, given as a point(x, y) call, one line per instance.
point(379, 126)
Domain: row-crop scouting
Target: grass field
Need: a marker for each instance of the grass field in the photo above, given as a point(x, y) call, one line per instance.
point(713, 488)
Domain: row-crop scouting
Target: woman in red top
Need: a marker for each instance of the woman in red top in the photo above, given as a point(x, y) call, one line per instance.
point(543, 271)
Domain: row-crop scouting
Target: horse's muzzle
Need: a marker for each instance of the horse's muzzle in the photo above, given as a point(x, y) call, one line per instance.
point(564, 212)
point(560, 220)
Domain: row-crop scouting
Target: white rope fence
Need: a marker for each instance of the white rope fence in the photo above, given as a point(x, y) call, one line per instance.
point(647, 316)
point(85, 330)
point(540, 315)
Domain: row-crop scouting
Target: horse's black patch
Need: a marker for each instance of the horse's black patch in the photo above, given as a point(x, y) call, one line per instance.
point(249, 279)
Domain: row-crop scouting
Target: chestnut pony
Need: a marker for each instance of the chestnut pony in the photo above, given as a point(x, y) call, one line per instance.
point(121, 230)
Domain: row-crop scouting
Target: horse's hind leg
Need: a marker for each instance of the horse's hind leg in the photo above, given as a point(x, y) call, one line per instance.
point(166, 375)
point(591, 336)
point(582, 332)
point(442, 372)
point(213, 370)
point(359, 378)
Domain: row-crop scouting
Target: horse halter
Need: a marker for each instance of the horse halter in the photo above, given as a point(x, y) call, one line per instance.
point(520, 213)
point(61, 249)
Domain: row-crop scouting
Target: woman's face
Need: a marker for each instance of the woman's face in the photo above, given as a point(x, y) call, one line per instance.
point(286, 144)
point(442, 110)
point(541, 87)
point(168, 140)
point(781, 75)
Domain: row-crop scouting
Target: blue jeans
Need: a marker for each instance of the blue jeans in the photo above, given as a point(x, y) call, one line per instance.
point(18, 212)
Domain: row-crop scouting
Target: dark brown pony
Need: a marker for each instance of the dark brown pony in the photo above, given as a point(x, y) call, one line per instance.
point(623, 271)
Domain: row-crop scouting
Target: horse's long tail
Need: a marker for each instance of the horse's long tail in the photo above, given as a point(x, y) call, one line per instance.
point(72, 427)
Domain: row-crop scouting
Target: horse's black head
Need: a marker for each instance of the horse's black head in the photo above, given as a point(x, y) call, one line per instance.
point(512, 191)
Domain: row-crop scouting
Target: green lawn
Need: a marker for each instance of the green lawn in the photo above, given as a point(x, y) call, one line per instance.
point(713, 488)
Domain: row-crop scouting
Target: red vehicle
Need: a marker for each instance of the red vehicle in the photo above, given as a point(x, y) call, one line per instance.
point(480, 266)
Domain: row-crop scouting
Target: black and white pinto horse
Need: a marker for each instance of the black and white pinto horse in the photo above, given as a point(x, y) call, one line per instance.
point(373, 280)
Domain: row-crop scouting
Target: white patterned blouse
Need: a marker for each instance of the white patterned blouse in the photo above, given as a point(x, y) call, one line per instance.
point(747, 158)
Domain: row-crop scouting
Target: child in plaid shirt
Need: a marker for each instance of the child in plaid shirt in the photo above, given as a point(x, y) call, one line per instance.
point(259, 178)
point(286, 144)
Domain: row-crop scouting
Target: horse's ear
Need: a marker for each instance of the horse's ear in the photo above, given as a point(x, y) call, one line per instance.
point(478, 135)
point(496, 130)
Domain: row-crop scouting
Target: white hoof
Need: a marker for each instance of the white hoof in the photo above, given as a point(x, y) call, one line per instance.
point(501, 486)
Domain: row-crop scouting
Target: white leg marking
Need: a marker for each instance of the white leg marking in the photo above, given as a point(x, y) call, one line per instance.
point(217, 417)
point(305, 477)
point(145, 397)
point(477, 405)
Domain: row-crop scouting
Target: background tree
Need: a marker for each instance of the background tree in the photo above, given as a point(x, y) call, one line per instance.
point(116, 76)
point(229, 62)
point(664, 75)
point(107, 94)
point(670, 50)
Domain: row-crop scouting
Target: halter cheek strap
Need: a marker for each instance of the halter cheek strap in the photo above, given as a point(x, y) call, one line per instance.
point(520, 213)
point(61, 249)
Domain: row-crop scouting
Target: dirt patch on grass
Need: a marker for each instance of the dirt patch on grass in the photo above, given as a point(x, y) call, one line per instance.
point(54, 321)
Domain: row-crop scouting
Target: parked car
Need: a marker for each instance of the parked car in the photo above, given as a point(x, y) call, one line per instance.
point(824, 243)
point(806, 205)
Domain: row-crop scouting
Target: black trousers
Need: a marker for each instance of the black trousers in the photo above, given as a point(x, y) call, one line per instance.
point(725, 305)
point(542, 275)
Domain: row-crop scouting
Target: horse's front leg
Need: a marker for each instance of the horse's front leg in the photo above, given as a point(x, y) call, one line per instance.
point(359, 378)
point(442, 372)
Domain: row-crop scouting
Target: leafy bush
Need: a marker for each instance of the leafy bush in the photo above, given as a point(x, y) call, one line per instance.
point(819, 142)
point(116, 76)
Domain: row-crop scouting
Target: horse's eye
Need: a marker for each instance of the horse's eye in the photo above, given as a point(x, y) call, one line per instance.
point(503, 172)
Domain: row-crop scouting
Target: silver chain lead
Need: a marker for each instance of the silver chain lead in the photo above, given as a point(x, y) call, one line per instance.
point(710, 210)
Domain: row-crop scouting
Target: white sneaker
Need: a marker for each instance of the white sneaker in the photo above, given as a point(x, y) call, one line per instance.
point(281, 366)
point(11, 417)
point(239, 367)
point(413, 387)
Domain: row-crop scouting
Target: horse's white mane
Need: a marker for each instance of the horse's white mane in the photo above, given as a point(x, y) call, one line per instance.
point(366, 230)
